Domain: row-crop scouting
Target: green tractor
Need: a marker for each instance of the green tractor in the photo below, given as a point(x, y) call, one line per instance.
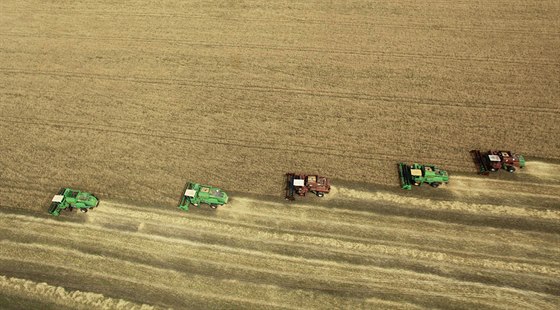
point(197, 194)
point(418, 174)
point(71, 199)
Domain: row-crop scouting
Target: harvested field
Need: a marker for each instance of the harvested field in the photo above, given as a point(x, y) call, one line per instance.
point(129, 100)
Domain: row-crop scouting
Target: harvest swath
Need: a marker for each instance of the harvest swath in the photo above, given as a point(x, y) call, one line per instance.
point(129, 100)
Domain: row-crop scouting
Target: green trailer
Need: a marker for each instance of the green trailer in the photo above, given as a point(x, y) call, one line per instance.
point(196, 194)
point(417, 174)
point(70, 199)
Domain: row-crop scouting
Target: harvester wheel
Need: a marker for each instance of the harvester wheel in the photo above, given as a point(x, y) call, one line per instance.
point(511, 169)
point(213, 206)
point(435, 184)
point(319, 194)
point(83, 210)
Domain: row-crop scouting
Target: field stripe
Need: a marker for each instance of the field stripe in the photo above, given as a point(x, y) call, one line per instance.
point(63, 298)
point(427, 280)
point(306, 49)
point(479, 209)
point(223, 229)
point(274, 89)
point(344, 21)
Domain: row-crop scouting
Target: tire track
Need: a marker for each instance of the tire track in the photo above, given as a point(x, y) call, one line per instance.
point(306, 49)
point(525, 189)
point(310, 21)
point(240, 110)
point(533, 190)
point(299, 148)
point(271, 89)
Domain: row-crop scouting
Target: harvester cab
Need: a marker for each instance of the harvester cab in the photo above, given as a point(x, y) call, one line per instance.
point(196, 194)
point(492, 161)
point(71, 199)
point(301, 184)
point(417, 174)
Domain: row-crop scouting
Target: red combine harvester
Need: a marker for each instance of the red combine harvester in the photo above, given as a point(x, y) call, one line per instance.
point(495, 160)
point(302, 183)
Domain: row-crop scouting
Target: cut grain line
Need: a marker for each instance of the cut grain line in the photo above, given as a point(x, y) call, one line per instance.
point(222, 228)
point(473, 208)
point(128, 211)
point(189, 243)
point(62, 296)
point(122, 246)
point(45, 252)
point(513, 267)
point(202, 258)
point(524, 183)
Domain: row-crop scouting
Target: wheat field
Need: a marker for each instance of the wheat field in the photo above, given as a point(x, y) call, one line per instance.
point(131, 99)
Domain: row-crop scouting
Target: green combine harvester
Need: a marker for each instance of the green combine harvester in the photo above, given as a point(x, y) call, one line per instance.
point(417, 174)
point(197, 194)
point(71, 199)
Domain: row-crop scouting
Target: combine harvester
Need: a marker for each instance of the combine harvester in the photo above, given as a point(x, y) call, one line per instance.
point(492, 161)
point(71, 199)
point(197, 194)
point(417, 174)
point(303, 183)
